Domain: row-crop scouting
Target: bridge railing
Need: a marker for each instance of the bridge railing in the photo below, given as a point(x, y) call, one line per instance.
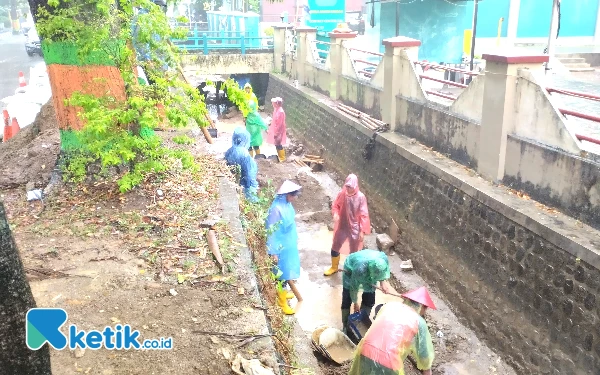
point(207, 41)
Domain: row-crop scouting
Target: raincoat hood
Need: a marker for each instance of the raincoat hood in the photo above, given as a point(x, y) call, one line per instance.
point(288, 187)
point(240, 138)
point(421, 296)
point(247, 86)
point(351, 182)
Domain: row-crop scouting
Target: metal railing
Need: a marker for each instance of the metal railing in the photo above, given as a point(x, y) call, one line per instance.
point(319, 55)
point(367, 71)
point(426, 64)
point(223, 40)
point(569, 112)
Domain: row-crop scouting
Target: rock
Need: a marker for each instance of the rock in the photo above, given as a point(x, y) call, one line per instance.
point(384, 242)
point(79, 352)
point(209, 223)
point(153, 285)
point(30, 186)
point(406, 265)
point(173, 292)
point(330, 226)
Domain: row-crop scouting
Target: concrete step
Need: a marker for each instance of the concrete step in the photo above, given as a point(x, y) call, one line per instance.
point(576, 65)
point(571, 60)
point(578, 70)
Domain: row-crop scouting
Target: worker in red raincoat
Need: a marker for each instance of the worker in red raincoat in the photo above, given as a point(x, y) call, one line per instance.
point(399, 329)
point(277, 130)
point(351, 222)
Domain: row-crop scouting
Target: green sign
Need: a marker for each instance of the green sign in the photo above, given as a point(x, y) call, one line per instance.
point(325, 15)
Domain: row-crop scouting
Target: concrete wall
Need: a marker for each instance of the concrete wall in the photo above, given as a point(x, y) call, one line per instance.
point(227, 63)
point(441, 129)
point(526, 282)
point(361, 96)
point(555, 178)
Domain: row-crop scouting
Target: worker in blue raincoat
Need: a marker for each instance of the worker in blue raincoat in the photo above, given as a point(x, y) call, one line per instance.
point(282, 243)
point(238, 155)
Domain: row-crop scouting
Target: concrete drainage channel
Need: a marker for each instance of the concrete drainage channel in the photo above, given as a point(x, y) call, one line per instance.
point(457, 349)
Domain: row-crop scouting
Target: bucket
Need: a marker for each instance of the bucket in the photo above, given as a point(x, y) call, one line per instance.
point(212, 132)
point(358, 326)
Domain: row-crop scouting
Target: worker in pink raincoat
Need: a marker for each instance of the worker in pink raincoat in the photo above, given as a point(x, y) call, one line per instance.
point(399, 330)
point(351, 222)
point(277, 130)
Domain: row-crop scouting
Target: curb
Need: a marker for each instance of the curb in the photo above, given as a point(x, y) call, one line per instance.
point(230, 205)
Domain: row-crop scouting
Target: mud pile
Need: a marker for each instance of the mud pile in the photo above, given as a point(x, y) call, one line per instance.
point(31, 155)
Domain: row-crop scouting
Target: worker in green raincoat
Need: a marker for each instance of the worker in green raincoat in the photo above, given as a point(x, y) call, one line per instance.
point(255, 126)
point(362, 271)
point(399, 330)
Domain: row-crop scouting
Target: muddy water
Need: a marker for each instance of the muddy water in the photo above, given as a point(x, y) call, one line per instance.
point(322, 295)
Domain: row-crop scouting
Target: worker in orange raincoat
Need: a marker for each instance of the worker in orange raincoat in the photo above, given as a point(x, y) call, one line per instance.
point(399, 329)
point(351, 222)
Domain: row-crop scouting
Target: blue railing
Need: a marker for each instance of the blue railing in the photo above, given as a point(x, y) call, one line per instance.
point(207, 41)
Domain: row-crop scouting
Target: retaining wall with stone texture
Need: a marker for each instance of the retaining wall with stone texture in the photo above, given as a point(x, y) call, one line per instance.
point(527, 289)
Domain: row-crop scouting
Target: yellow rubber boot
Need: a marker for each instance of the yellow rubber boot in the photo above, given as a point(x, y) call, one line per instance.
point(335, 262)
point(289, 295)
point(251, 151)
point(257, 151)
point(282, 302)
point(281, 154)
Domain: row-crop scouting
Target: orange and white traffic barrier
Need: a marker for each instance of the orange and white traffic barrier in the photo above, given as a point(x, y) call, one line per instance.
point(22, 82)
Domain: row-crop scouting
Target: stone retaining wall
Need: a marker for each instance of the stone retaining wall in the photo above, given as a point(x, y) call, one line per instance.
point(526, 288)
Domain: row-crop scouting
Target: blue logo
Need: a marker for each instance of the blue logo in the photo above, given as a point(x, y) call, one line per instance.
point(43, 326)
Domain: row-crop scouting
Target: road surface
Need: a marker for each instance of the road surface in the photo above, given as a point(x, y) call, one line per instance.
point(13, 59)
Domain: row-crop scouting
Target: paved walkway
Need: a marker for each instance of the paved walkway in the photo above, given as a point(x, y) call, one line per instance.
point(588, 82)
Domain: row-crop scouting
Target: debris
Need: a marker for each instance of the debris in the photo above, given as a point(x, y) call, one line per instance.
point(34, 195)
point(406, 265)
point(115, 320)
point(241, 291)
point(215, 339)
point(250, 367)
point(214, 247)
point(173, 292)
point(384, 242)
point(226, 353)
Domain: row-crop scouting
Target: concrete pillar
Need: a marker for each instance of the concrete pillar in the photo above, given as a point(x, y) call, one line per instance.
point(392, 74)
point(513, 22)
point(499, 103)
point(305, 37)
point(279, 46)
point(597, 32)
point(336, 51)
